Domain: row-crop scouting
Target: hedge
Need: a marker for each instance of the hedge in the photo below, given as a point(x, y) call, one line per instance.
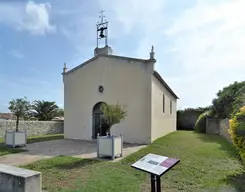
point(200, 125)
point(237, 132)
point(187, 118)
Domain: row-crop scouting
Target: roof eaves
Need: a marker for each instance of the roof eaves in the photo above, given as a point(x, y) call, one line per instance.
point(160, 79)
point(109, 56)
point(81, 65)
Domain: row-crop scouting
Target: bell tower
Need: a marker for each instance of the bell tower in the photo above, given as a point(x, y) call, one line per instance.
point(102, 29)
point(102, 36)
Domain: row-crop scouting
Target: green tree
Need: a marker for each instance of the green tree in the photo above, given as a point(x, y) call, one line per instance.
point(59, 112)
point(44, 110)
point(20, 108)
point(237, 131)
point(223, 104)
point(112, 114)
point(239, 101)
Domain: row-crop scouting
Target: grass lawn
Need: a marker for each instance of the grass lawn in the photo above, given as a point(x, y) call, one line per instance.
point(208, 163)
point(6, 150)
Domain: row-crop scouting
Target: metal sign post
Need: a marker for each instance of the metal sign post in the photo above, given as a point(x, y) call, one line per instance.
point(157, 166)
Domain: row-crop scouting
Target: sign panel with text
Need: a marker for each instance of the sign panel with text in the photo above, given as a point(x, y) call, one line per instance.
point(155, 164)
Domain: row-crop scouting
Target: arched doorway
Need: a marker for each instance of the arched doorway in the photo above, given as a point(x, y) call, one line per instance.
point(98, 121)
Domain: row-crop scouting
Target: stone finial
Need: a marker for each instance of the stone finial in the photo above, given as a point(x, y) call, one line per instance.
point(152, 54)
point(65, 68)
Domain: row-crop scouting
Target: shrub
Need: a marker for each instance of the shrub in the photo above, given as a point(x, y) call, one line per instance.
point(237, 132)
point(113, 114)
point(223, 104)
point(187, 118)
point(200, 125)
point(239, 102)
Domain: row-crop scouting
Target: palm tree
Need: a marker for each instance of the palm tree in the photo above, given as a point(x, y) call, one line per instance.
point(20, 108)
point(44, 110)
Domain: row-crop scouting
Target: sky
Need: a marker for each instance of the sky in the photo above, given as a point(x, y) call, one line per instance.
point(199, 44)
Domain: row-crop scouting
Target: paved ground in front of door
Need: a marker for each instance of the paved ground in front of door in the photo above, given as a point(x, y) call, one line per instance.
point(48, 149)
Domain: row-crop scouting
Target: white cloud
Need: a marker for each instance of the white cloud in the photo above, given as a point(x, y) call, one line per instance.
point(198, 51)
point(17, 54)
point(210, 40)
point(31, 17)
point(132, 13)
point(137, 15)
point(204, 44)
point(211, 37)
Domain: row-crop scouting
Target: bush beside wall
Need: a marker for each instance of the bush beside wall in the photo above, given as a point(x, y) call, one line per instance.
point(200, 125)
point(237, 132)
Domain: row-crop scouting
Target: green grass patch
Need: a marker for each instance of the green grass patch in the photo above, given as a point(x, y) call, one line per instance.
point(208, 163)
point(66, 174)
point(42, 138)
point(7, 150)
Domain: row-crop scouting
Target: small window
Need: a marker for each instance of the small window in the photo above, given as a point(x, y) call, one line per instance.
point(170, 107)
point(163, 104)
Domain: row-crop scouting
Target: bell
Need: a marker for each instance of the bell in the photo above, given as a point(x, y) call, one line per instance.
point(101, 33)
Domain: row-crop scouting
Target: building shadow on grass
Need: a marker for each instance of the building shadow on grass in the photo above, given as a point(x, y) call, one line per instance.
point(237, 181)
point(224, 144)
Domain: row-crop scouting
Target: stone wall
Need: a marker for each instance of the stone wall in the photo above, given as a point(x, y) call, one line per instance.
point(33, 128)
point(212, 126)
point(219, 127)
point(224, 126)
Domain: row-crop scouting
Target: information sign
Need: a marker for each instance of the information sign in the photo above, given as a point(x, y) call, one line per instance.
point(155, 164)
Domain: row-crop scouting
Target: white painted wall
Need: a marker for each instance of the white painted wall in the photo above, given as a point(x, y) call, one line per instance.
point(162, 123)
point(125, 81)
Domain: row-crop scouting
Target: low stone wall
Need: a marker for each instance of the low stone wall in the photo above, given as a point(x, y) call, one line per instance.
point(33, 128)
point(212, 126)
point(224, 126)
point(219, 127)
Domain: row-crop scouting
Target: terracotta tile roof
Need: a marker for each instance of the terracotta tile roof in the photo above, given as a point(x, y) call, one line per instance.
point(8, 116)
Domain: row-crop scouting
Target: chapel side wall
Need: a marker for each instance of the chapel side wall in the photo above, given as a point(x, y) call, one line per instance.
point(162, 122)
point(125, 81)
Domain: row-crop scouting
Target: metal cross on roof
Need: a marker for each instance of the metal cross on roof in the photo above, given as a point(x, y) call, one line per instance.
point(102, 15)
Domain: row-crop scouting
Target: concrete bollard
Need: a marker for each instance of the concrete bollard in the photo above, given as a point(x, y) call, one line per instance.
point(19, 179)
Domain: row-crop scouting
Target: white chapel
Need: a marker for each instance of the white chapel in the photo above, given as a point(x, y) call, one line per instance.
point(108, 78)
